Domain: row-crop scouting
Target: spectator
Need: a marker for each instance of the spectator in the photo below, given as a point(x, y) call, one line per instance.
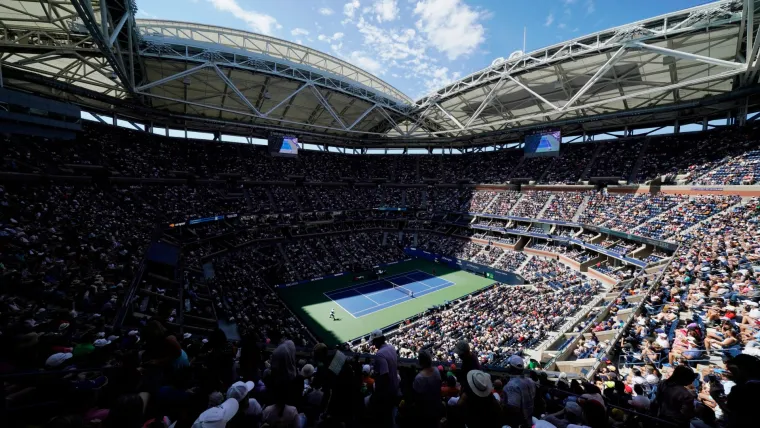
point(384, 399)
point(427, 387)
point(676, 402)
point(520, 391)
point(478, 405)
point(469, 362)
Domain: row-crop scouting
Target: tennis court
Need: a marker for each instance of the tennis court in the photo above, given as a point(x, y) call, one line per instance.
point(361, 307)
point(363, 299)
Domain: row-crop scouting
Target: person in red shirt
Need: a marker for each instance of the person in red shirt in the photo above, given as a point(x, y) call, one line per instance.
point(450, 389)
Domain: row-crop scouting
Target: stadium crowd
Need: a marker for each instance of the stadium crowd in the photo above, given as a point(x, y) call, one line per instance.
point(71, 249)
point(496, 323)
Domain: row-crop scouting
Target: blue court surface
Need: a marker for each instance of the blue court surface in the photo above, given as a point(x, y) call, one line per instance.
point(368, 297)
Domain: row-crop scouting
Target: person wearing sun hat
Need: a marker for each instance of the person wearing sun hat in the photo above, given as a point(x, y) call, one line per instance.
point(250, 409)
point(479, 407)
point(217, 417)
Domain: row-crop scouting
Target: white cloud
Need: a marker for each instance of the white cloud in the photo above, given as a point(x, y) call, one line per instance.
point(391, 44)
point(569, 2)
point(258, 22)
point(299, 32)
point(334, 38)
point(562, 25)
point(385, 10)
point(366, 63)
point(590, 7)
point(349, 9)
point(450, 26)
point(146, 14)
point(549, 20)
point(326, 11)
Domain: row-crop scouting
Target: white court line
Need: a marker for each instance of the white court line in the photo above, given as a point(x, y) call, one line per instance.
point(362, 284)
point(355, 287)
point(362, 294)
point(341, 306)
point(402, 286)
point(405, 298)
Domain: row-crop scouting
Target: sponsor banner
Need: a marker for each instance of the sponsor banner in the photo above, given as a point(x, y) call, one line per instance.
point(708, 189)
point(206, 219)
point(499, 275)
point(335, 275)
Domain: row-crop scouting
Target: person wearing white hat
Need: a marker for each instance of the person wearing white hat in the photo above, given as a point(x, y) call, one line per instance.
point(383, 400)
point(249, 407)
point(58, 359)
point(217, 417)
point(520, 391)
point(479, 407)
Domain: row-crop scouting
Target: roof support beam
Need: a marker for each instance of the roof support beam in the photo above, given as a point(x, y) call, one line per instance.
point(393, 123)
point(687, 55)
point(176, 76)
point(453, 119)
point(292, 94)
point(750, 27)
point(599, 73)
point(752, 61)
point(326, 105)
point(532, 92)
point(117, 30)
point(721, 76)
point(362, 116)
point(235, 89)
point(419, 120)
point(487, 100)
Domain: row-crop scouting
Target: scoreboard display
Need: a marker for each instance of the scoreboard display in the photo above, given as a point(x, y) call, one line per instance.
point(283, 145)
point(544, 143)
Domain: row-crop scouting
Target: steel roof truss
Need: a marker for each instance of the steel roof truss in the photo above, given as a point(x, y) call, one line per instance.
point(686, 55)
point(235, 89)
point(362, 116)
point(452, 118)
point(603, 69)
point(292, 94)
point(327, 106)
point(176, 76)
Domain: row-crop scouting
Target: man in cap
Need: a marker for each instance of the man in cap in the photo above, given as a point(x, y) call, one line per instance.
point(249, 412)
point(521, 390)
point(384, 398)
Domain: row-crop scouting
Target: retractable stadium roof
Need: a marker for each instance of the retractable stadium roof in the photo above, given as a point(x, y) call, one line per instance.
point(696, 62)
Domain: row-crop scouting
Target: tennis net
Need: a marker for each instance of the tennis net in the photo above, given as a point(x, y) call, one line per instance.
point(403, 290)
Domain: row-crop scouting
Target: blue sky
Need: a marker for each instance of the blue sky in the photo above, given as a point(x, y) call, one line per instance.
point(415, 45)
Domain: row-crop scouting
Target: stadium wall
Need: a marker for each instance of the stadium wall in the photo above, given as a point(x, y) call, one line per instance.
point(745, 191)
point(505, 277)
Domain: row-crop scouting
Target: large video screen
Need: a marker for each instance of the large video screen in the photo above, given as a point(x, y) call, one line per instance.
point(283, 145)
point(543, 143)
